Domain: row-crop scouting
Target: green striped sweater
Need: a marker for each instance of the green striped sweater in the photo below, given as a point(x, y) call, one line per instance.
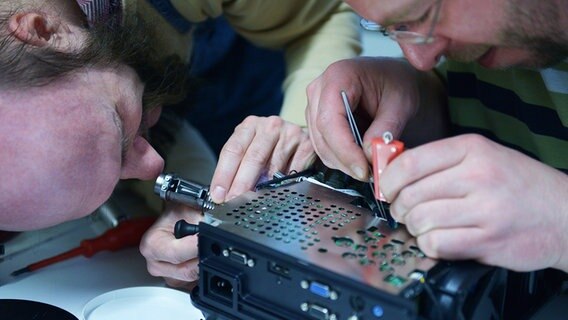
point(523, 109)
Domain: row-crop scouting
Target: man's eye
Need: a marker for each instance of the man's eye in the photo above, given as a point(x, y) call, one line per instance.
point(408, 26)
point(400, 27)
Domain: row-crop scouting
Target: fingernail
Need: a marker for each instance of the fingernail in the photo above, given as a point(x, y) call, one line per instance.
point(311, 160)
point(218, 194)
point(359, 172)
point(368, 150)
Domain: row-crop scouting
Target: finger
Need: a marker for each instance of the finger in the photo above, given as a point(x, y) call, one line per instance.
point(311, 133)
point(286, 146)
point(452, 244)
point(443, 185)
point(396, 107)
point(257, 156)
point(313, 92)
point(230, 159)
point(173, 212)
point(304, 157)
point(293, 152)
point(162, 246)
point(186, 272)
point(388, 119)
point(335, 142)
point(185, 285)
point(439, 214)
point(419, 162)
point(312, 112)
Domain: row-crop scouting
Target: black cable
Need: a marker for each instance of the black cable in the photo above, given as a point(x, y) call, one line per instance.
point(276, 181)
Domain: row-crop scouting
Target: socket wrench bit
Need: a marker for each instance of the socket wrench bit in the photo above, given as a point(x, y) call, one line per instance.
point(171, 187)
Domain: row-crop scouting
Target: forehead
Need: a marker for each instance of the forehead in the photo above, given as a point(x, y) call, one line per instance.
point(389, 11)
point(70, 111)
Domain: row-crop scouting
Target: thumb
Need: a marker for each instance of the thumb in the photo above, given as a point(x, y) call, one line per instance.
point(389, 120)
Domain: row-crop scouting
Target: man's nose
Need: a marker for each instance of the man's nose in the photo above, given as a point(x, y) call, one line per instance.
point(424, 56)
point(142, 161)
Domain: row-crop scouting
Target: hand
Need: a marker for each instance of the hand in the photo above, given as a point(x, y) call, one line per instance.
point(470, 198)
point(387, 92)
point(174, 259)
point(259, 146)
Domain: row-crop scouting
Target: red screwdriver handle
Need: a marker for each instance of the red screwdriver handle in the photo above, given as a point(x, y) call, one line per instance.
point(126, 234)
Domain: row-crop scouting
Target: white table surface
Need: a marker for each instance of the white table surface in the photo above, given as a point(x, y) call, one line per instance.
point(71, 284)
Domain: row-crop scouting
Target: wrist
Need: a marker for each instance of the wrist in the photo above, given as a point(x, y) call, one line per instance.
point(562, 262)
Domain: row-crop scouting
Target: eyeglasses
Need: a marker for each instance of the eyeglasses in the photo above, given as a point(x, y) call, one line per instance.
point(400, 33)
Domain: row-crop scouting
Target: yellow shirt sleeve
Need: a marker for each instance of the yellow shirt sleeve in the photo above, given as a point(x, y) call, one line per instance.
point(313, 33)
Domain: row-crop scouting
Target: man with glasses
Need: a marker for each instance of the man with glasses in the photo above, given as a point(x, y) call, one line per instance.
point(491, 183)
point(400, 32)
point(495, 190)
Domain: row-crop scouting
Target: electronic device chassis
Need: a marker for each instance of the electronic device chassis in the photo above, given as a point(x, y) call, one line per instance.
point(305, 251)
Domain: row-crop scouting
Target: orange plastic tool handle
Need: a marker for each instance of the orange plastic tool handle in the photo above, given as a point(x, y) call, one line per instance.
point(126, 234)
point(383, 153)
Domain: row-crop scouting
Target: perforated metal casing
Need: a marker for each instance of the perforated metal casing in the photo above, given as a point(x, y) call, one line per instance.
point(323, 227)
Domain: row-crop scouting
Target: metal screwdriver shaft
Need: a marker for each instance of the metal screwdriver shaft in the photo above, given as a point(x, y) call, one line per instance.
point(359, 141)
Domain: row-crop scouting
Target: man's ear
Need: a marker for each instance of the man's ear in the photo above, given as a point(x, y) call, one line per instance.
point(34, 28)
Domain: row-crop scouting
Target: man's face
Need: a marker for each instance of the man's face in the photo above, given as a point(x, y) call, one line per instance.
point(66, 141)
point(66, 145)
point(496, 34)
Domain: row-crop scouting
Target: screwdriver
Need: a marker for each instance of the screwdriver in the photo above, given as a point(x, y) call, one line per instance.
point(126, 234)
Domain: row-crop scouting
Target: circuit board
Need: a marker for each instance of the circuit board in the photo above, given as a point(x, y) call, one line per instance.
point(306, 251)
